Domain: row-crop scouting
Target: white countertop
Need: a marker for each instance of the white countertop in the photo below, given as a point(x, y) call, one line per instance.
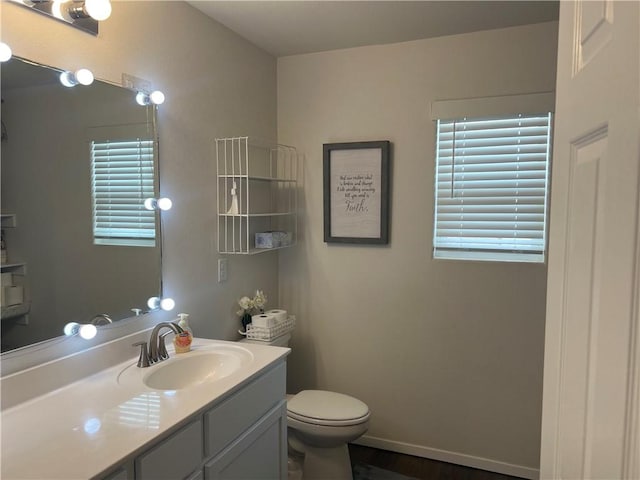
point(89, 426)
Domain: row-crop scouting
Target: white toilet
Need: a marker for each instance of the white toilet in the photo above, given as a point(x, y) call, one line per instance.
point(320, 424)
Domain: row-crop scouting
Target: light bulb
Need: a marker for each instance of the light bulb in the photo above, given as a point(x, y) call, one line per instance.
point(71, 328)
point(167, 304)
point(157, 97)
point(153, 303)
point(84, 76)
point(67, 79)
point(56, 9)
point(142, 98)
point(161, 203)
point(98, 9)
point(150, 204)
point(88, 331)
point(5, 52)
point(164, 203)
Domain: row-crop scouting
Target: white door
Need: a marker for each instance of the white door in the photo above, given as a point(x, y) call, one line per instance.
point(591, 404)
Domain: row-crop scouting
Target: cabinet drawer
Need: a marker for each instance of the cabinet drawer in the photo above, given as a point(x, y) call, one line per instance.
point(233, 416)
point(173, 458)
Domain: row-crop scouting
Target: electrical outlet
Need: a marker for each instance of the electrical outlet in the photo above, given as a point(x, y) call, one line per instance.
point(222, 270)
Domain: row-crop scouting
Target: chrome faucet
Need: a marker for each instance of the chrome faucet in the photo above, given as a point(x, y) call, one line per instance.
point(101, 319)
point(157, 353)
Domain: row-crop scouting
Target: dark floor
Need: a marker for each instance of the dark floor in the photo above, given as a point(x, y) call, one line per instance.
point(418, 467)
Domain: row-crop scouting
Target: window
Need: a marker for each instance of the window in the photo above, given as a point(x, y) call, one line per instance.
point(122, 177)
point(492, 187)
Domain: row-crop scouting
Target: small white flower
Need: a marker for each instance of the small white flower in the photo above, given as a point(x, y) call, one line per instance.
point(260, 300)
point(245, 303)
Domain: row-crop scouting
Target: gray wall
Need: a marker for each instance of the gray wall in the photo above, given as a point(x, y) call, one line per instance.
point(216, 84)
point(447, 354)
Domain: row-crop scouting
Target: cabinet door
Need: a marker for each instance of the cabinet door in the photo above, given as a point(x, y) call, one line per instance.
point(260, 453)
point(175, 457)
point(237, 413)
point(198, 475)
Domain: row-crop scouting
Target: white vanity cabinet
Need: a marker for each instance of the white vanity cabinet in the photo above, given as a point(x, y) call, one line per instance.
point(242, 435)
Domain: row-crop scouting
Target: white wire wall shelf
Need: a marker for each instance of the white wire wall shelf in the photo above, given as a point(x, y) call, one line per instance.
point(257, 195)
point(15, 304)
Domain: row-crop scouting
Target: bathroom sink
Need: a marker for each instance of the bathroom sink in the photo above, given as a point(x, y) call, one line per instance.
point(189, 369)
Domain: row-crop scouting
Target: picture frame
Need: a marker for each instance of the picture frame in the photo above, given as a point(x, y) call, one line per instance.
point(356, 192)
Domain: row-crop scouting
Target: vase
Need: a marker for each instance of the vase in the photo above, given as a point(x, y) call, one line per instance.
point(246, 320)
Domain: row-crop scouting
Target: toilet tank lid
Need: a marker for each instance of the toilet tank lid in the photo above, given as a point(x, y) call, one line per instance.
point(323, 405)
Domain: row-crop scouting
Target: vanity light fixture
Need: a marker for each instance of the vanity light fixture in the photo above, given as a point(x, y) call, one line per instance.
point(163, 203)
point(70, 10)
point(156, 98)
point(167, 304)
point(82, 14)
point(97, 9)
point(79, 77)
point(5, 52)
point(86, 330)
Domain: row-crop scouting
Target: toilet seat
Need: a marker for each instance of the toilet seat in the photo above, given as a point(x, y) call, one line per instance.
point(320, 407)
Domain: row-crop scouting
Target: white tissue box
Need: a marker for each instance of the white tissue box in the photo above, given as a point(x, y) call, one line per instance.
point(273, 239)
point(267, 240)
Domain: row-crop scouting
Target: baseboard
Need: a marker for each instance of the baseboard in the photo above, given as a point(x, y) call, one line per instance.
point(450, 457)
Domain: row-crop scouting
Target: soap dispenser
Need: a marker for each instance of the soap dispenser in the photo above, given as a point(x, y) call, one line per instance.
point(182, 341)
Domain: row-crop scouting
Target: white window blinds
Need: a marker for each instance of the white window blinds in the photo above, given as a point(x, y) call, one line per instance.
point(122, 177)
point(491, 188)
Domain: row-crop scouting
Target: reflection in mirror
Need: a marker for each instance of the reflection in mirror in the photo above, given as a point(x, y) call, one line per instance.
point(77, 165)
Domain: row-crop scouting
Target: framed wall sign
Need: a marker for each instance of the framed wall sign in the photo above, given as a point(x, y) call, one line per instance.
point(356, 192)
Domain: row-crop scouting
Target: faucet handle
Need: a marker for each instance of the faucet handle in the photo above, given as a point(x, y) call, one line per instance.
point(143, 360)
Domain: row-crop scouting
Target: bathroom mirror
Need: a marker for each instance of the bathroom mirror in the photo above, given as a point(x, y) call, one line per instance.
point(54, 264)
